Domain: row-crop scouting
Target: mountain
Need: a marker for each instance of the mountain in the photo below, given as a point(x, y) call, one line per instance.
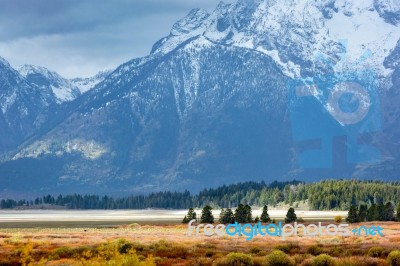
point(66, 90)
point(86, 84)
point(63, 89)
point(151, 125)
point(254, 90)
point(24, 107)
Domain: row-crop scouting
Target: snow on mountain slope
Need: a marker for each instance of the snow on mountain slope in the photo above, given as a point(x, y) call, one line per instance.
point(86, 84)
point(364, 30)
point(169, 119)
point(23, 107)
point(389, 10)
point(64, 89)
point(188, 27)
point(210, 103)
point(295, 33)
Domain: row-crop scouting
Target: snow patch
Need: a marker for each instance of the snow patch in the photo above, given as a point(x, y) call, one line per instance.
point(90, 149)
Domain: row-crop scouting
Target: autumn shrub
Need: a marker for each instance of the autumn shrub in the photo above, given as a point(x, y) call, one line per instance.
point(255, 250)
point(338, 219)
point(375, 252)
point(278, 258)
point(178, 251)
point(241, 259)
point(337, 251)
point(201, 262)
point(235, 259)
point(360, 261)
point(160, 248)
point(299, 258)
point(26, 254)
point(125, 247)
point(287, 248)
point(65, 252)
point(323, 260)
point(394, 258)
point(209, 253)
point(315, 250)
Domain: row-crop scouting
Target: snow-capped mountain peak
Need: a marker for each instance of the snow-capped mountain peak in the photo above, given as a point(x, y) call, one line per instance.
point(191, 22)
point(293, 33)
point(64, 89)
point(86, 84)
point(194, 24)
point(210, 103)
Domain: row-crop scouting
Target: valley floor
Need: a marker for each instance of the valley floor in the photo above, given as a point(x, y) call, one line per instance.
point(146, 244)
point(104, 218)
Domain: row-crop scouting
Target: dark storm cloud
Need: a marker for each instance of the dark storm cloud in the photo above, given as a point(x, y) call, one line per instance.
point(78, 38)
point(29, 18)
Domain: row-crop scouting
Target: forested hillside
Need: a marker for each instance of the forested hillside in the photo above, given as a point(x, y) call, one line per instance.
point(323, 195)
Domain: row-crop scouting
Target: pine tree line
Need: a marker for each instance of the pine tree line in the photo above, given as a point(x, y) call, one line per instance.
point(242, 214)
point(323, 195)
point(375, 212)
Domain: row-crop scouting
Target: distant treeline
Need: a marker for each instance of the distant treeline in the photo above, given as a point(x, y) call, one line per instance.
point(323, 195)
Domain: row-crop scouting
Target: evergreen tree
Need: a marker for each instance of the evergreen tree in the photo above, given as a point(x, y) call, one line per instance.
point(341, 195)
point(291, 197)
point(380, 212)
point(249, 217)
point(291, 216)
point(240, 214)
point(363, 213)
point(222, 216)
point(279, 197)
point(206, 215)
point(230, 216)
point(191, 215)
point(373, 213)
point(398, 212)
point(377, 198)
point(388, 212)
point(264, 215)
point(227, 217)
point(352, 216)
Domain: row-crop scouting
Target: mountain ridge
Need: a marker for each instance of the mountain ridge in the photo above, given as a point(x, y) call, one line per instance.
point(210, 103)
point(63, 89)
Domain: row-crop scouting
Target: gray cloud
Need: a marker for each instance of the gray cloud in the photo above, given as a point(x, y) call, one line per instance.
point(79, 38)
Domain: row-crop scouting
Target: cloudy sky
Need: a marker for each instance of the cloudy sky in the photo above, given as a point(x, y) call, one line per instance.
point(78, 38)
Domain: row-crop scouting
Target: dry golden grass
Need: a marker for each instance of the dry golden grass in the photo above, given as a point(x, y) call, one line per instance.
point(170, 245)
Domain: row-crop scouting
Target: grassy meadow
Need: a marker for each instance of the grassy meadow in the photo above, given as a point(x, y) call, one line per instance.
point(168, 244)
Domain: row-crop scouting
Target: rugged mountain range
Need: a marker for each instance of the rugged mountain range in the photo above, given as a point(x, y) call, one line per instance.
point(31, 97)
point(213, 103)
point(63, 89)
point(24, 107)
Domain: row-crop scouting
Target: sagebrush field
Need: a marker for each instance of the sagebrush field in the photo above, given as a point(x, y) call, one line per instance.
point(136, 244)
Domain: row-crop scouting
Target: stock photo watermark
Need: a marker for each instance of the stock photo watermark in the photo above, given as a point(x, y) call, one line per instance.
point(342, 104)
point(281, 230)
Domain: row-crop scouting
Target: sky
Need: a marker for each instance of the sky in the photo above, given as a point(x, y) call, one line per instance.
point(78, 38)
